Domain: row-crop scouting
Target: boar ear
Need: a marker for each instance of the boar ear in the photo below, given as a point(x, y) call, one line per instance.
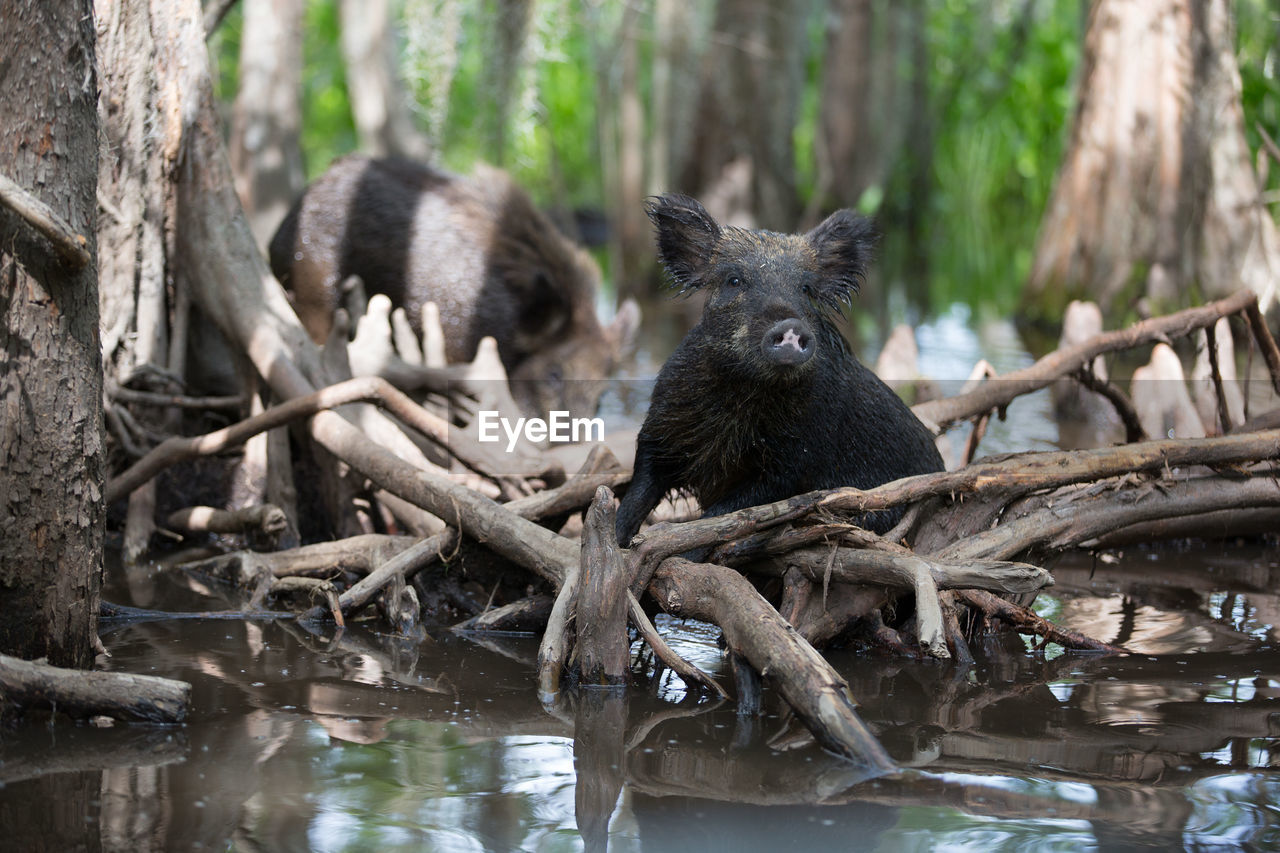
point(687, 235)
point(543, 312)
point(844, 243)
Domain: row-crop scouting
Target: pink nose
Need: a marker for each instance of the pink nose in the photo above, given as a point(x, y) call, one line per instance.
point(788, 342)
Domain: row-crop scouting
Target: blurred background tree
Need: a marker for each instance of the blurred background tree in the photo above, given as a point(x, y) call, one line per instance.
point(948, 120)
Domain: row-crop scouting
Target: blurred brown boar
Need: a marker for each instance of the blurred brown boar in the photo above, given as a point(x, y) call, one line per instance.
point(477, 247)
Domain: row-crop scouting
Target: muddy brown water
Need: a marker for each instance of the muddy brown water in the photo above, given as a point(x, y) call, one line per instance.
point(310, 739)
point(320, 741)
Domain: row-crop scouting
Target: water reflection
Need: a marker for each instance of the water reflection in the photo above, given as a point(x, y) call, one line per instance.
point(353, 741)
point(316, 740)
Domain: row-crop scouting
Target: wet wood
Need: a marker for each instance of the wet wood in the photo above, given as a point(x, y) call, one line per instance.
point(1075, 520)
point(361, 554)
point(312, 589)
point(401, 566)
point(829, 613)
point(528, 615)
point(772, 554)
point(122, 696)
point(557, 639)
point(1024, 620)
point(692, 675)
point(603, 649)
point(753, 629)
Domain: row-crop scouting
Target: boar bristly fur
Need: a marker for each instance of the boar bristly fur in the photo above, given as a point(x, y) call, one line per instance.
point(763, 398)
point(476, 246)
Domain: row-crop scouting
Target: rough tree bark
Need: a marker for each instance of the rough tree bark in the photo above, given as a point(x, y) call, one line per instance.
point(266, 121)
point(1157, 152)
point(51, 440)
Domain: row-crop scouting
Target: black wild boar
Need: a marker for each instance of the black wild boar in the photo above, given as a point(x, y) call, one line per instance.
point(478, 248)
point(763, 400)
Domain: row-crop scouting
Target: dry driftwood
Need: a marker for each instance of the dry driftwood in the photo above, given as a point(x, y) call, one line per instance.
point(137, 698)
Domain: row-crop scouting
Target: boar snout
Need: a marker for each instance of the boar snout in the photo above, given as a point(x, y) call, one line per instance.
point(788, 343)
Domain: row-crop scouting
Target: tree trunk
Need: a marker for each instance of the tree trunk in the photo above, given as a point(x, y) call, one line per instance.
point(752, 78)
point(621, 122)
point(1156, 197)
point(51, 439)
point(860, 122)
point(681, 31)
point(265, 148)
point(379, 102)
point(508, 30)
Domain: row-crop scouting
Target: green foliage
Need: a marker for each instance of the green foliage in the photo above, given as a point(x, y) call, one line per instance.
point(1257, 54)
point(328, 129)
point(961, 225)
point(551, 141)
point(1001, 88)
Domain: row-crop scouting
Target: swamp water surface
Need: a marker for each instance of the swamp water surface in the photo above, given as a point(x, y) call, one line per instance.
point(355, 741)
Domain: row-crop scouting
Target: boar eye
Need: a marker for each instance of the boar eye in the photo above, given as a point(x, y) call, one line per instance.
point(806, 289)
point(734, 281)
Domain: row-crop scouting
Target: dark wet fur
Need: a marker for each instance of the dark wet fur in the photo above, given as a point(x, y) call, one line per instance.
point(732, 428)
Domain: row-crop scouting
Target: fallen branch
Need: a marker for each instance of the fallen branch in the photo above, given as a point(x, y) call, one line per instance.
point(1024, 620)
point(794, 547)
point(139, 698)
point(528, 615)
point(1064, 362)
point(691, 674)
point(753, 629)
point(1009, 477)
point(402, 565)
point(1122, 404)
point(1069, 522)
point(361, 554)
point(312, 588)
point(266, 519)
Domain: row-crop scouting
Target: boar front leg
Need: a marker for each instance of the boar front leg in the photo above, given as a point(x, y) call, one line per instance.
point(649, 484)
